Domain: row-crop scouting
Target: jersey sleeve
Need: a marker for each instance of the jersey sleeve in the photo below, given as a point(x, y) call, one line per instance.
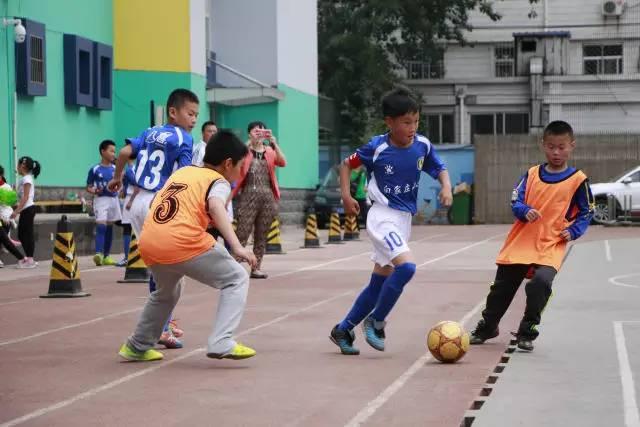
point(220, 189)
point(136, 143)
point(582, 204)
point(432, 164)
point(185, 151)
point(363, 156)
point(519, 208)
point(129, 176)
point(90, 177)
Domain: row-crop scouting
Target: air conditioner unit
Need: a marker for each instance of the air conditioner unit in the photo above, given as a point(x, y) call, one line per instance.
point(613, 7)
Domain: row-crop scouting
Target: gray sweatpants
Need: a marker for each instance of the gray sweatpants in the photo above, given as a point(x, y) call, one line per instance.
point(216, 268)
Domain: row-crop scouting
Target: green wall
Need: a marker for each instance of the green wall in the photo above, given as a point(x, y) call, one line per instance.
point(294, 121)
point(298, 131)
point(133, 91)
point(62, 138)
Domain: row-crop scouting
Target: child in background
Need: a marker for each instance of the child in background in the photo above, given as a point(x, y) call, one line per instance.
point(28, 169)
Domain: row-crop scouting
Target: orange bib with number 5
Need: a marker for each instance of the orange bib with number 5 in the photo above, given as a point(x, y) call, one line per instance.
point(175, 228)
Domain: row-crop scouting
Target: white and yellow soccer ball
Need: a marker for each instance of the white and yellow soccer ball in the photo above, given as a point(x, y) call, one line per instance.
point(448, 342)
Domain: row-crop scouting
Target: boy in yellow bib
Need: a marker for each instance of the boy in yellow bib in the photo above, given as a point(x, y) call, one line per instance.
point(553, 205)
point(175, 243)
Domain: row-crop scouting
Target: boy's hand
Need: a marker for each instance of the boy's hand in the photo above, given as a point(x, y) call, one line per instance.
point(533, 215)
point(445, 197)
point(114, 185)
point(128, 205)
point(246, 255)
point(566, 235)
point(351, 206)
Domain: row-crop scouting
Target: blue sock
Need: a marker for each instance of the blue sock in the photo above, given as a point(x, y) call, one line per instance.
point(108, 240)
point(101, 230)
point(126, 241)
point(391, 290)
point(365, 302)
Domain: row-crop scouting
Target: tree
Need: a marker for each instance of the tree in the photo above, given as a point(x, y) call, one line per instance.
point(362, 44)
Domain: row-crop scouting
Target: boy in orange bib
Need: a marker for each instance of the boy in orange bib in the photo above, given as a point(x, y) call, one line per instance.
point(553, 205)
point(175, 243)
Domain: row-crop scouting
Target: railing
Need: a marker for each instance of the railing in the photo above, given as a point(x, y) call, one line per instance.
point(420, 70)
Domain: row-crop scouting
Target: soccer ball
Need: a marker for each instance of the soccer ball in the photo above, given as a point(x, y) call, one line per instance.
point(447, 341)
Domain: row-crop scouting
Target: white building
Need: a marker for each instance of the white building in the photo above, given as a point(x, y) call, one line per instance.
point(573, 60)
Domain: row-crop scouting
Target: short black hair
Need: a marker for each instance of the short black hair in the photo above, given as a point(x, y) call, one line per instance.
point(558, 128)
point(205, 124)
point(399, 102)
point(105, 144)
point(256, 124)
point(179, 97)
point(224, 145)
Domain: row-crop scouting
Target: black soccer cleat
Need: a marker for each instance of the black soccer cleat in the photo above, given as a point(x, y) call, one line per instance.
point(480, 334)
point(344, 340)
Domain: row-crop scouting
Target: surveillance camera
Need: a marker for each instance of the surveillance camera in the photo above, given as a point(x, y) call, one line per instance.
point(20, 32)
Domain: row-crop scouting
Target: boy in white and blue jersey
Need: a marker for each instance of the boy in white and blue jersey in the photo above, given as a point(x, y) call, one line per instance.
point(159, 151)
point(105, 202)
point(394, 162)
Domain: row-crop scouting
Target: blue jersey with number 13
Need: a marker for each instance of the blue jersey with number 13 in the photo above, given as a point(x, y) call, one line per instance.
point(159, 151)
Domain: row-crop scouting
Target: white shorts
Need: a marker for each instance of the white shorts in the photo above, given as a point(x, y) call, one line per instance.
point(126, 214)
point(106, 209)
point(389, 230)
point(139, 210)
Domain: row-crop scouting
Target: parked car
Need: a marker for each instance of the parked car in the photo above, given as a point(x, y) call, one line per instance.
point(328, 197)
point(627, 184)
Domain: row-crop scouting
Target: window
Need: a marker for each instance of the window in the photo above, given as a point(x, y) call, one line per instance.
point(499, 124)
point(424, 70)
point(37, 60)
point(78, 70)
point(102, 78)
point(31, 73)
point(529, 46)
point(602, 59)
point(440, 128)
point(503, 55)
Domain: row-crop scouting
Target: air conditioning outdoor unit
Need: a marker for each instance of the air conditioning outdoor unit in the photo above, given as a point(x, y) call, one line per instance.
point(613, 7)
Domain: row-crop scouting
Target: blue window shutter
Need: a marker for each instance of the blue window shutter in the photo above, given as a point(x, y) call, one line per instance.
point(31, 60)
point(103, 76)
point(78, 70)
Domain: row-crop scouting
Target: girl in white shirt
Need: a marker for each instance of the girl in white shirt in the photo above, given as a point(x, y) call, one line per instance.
point(28, 169)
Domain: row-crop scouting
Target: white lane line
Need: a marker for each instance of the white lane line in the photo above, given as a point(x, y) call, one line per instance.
point(18, 301)
point(375, 404)
point(631, 417)
point(616, 280)
point(92, 392)
point(335, 261)
point(457, 251)
point(607, 250)
point(98, 319)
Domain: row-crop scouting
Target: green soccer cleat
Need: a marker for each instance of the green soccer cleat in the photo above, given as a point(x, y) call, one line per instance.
point(130, 354)
point(108, 261)
point(98, 258)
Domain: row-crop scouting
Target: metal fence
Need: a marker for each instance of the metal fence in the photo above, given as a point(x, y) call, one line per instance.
point(500, 160)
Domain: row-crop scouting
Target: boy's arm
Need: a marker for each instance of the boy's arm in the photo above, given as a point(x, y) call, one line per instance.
point(185, 153)
point(583, 201)
point(351, 206)
point(445, 197)
point(135, 192)
point(218, 213)
point(116, 182)
point(436, 169)
point(91, 189)
point(519, 208)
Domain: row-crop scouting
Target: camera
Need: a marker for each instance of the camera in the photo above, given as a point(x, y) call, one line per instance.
point(20, 32)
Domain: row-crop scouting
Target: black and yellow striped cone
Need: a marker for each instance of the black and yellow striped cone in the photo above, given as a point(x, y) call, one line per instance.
point(136, 271)
point(351, 230)
point(274, 244)
point(334, 229)
point(65, 277)
point(311, 239)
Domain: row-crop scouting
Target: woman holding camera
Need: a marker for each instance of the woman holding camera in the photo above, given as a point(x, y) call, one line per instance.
point(256, 194)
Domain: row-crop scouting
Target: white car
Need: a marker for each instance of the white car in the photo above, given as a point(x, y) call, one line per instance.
point(627, 184)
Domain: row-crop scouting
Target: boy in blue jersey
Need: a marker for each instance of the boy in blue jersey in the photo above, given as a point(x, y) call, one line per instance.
point(393, 162)
point(105, 202)
point(159, 151)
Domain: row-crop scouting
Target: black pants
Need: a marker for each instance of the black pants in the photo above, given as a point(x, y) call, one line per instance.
point(25, 230)
point(504, 288)
point(6, 242)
